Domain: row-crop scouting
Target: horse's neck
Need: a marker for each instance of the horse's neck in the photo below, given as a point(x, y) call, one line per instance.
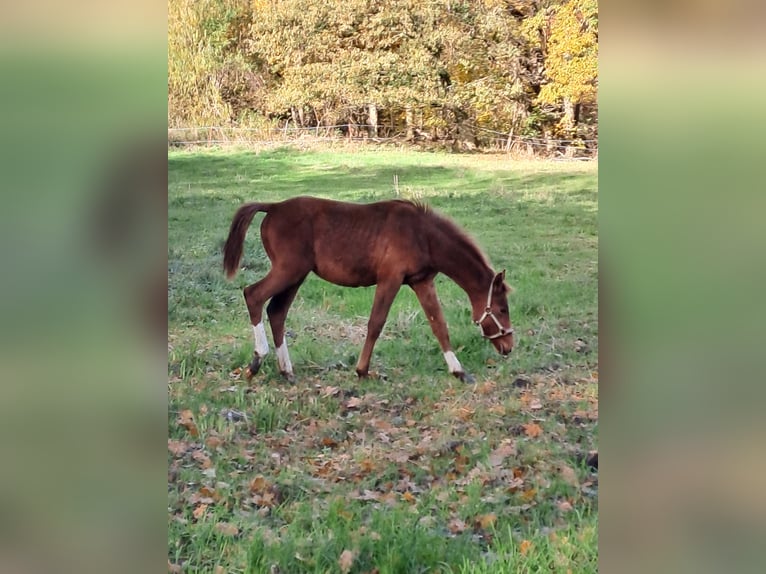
point(459, 261)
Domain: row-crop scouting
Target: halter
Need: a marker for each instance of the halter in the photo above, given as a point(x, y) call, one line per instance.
point(501, 332)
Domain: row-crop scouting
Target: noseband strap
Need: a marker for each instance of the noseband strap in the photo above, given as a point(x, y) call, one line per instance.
point(501, 332)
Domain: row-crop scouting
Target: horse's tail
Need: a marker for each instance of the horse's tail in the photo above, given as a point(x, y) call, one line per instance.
point(232, 251)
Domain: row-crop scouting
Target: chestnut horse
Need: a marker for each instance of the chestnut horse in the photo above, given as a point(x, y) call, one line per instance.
point(387, 244)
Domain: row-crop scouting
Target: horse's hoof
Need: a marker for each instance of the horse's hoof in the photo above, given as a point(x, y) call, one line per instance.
point(252, 369)
point(467, 378)
point(290, 377)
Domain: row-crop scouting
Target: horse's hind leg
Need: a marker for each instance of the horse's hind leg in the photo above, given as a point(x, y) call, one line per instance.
point(277, 312)
point(426, 293)
point(255, 296)
point(385, 293)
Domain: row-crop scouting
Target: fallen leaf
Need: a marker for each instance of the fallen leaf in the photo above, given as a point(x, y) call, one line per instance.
point(528, 495)
point(208, 492)
point(259, 485)
point(569, 475)
point(486, 521)
point(186, 420)
point(346, 560)
point(465, 413)
point(532, 430)
point(227, 528)
point(202, 458)
point(199, 511)
point(353, 403)
point(213, 442)
point(177, 447)
point(329, 442)
point(456, 526)
point(507, 448)
point(525, 547)
point(564, 506)
point(486, 387)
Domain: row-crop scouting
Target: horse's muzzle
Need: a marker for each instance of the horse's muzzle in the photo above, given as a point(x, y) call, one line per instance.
point(503, 345)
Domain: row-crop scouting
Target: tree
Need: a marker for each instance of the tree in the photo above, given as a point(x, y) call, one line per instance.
point(571, 62)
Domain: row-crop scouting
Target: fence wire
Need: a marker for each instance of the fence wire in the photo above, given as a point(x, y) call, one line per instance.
point(491, 139)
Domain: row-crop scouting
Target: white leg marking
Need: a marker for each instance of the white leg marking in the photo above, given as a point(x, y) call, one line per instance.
point(283, 359)
point(452, 362)
point(261, 342)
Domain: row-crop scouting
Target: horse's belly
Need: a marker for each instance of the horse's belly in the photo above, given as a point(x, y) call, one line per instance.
point(347, 277)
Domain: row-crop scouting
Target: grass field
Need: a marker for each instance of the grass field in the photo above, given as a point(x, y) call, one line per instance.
point(413, 471)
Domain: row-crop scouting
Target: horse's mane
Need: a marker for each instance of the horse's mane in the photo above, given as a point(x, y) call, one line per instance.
point(449, 227)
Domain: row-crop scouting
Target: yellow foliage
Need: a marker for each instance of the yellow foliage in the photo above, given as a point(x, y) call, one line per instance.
point(572, 59)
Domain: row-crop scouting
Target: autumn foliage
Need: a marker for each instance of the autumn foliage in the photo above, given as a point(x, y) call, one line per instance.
point(469, 73)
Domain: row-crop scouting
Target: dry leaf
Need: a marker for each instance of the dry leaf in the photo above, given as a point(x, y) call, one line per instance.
point(346, 560)
point(486, 387)
point(465, 413)
point(515, 484)
point(186, 420)
point(213, 442)
point(227, 528)
point(177, 447)
point(259, 485)
point(532, 430)
point(486, 521)
point(199, 511)
point(456, 526)
point(564, 506)
point(353, 403)
point(569, 475)
point(528, 495)
point(208, 492)
point(202, 458)
point(507, 448)
point(525, 547)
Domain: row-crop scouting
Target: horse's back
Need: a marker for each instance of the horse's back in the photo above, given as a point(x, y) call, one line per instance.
point(348, 243)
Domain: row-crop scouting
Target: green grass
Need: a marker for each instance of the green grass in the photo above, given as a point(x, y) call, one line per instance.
point(413, 471)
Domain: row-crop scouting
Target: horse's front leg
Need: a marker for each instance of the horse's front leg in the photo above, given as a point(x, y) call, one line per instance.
point(277, 312)
point(385, 293)
point(426, 293)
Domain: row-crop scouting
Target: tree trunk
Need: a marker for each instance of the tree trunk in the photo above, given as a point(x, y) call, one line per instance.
point(569, 125)
point(372, 127)
point(409, 120)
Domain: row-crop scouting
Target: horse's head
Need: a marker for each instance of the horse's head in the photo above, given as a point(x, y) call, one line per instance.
point(493, 318)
